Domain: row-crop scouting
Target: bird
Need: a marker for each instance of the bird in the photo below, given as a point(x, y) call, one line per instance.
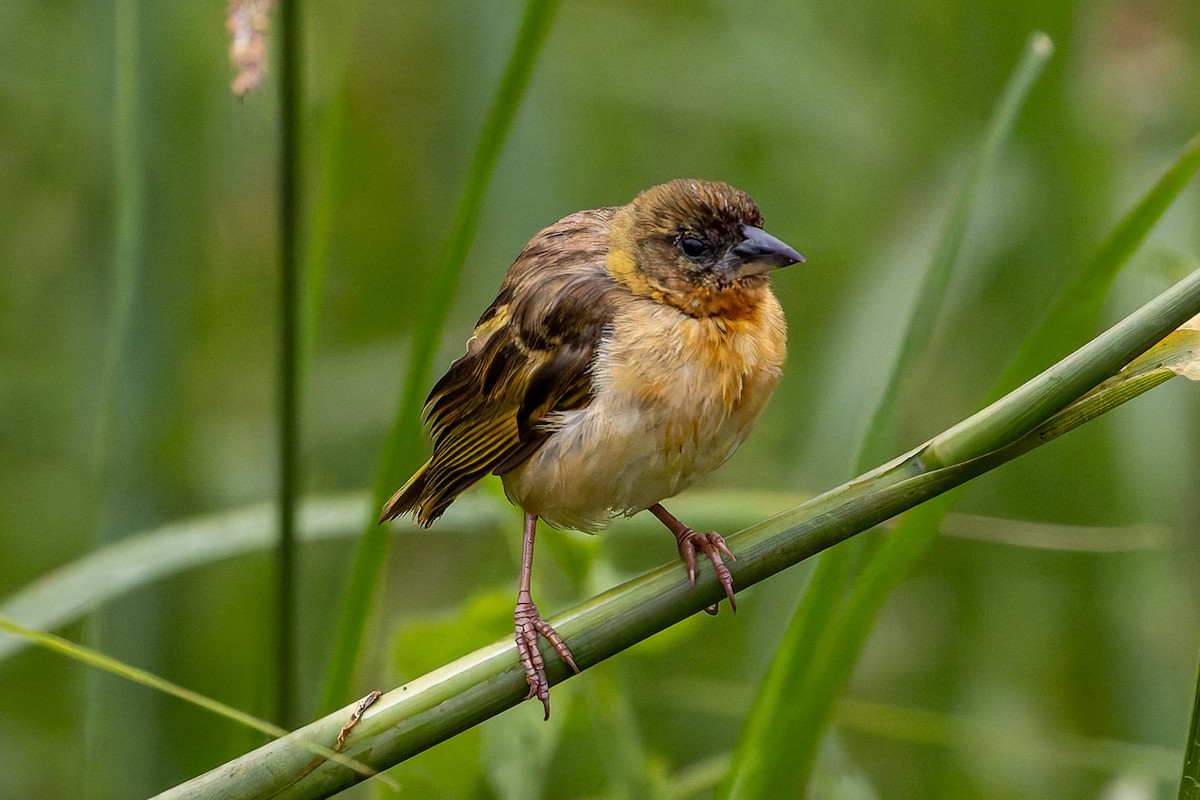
point(627, 354)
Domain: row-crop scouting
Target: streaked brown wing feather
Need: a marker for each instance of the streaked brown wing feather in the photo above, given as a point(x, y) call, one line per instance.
point(529, 357)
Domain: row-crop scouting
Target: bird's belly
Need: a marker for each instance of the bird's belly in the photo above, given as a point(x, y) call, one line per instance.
point(660, 420)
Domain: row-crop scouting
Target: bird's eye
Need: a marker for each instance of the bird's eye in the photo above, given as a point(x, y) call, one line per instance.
point(693, 246)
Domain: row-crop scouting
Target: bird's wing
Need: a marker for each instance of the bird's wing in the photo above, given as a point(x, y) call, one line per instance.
point(530, 356)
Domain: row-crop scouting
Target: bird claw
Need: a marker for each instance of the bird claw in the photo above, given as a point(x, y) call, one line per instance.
point(713, 545)
point(529, 625)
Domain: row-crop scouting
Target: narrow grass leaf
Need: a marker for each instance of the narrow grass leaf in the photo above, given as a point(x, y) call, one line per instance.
point(965, 734)
point(128, 249)
point(760, 767)
point(1080, 304)
point(116, 385)
point(138, 559)
point(325, 199)
point(1177, 354)
point(879, 439)
point(86, 655)
point(402, 445)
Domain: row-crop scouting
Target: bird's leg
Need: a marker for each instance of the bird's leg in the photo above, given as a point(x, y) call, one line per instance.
point(711, 544)
point(529, 624)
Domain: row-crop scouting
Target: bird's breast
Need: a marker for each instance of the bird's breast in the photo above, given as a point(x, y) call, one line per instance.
point(673, 397)
point(695, 375)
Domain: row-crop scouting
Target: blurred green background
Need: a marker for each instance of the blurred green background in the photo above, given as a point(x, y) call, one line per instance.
point(1045, 648)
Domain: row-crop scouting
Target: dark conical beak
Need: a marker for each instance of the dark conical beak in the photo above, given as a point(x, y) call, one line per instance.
point(762, 252)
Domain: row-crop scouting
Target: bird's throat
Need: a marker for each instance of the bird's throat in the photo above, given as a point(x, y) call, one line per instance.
point(732, 301)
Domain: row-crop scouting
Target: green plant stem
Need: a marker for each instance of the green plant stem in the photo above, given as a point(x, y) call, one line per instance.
point(129, 249)
point(449, 700)
point(140, 558)
point(289, 354)
point(1079, 306)
point(137, 560)
point(323, 201)
point(99, 660)
point(829, 629)
point(771, 721)
point(403, 443)
point(878, 442)
point(130, 181)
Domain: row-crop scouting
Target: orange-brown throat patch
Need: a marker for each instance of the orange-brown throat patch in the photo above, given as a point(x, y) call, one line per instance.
point(736, 301)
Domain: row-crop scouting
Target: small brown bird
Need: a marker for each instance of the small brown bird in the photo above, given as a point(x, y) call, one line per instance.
point(627, 355)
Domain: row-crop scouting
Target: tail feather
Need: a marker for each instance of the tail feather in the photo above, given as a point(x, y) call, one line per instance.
point(411, 498)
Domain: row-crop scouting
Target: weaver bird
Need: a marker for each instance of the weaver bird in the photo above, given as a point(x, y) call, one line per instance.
point(628, 354)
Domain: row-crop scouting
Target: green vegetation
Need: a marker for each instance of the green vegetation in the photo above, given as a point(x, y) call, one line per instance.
point(960, 237)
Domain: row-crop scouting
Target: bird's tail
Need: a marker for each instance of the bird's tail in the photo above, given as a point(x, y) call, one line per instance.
point(410, 498)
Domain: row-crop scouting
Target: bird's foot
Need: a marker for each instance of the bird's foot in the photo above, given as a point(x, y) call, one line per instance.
point(529, 624)
point(712, 545)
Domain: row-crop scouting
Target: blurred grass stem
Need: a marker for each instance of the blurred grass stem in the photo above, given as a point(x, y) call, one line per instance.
point(128, 261)
point(879, 440)
point(797, 726)
point(402, 448)
point(102, 662)
point(128, 240)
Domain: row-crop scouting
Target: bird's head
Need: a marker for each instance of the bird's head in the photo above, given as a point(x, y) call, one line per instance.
point(695, 245)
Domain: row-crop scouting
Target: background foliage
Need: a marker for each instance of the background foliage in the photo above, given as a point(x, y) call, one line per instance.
point(1046, 646)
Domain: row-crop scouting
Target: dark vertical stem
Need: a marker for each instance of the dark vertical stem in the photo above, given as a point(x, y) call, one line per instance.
point(289, 201)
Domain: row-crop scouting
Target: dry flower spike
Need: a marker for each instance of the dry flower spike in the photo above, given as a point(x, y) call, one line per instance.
point(247, 23)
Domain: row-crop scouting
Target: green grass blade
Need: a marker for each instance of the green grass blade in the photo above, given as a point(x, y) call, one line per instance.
point(832, 658)
point(879, 442)
point(1080, 304)
point(918, 529)
point(117, 384)
point(128, 258)
point(1037, 746)
point(403, 443)
point(140, 558)
point(74, 590)
point(93, 658)
point(1079, 308)
point(758, 766)
point(324, 201)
